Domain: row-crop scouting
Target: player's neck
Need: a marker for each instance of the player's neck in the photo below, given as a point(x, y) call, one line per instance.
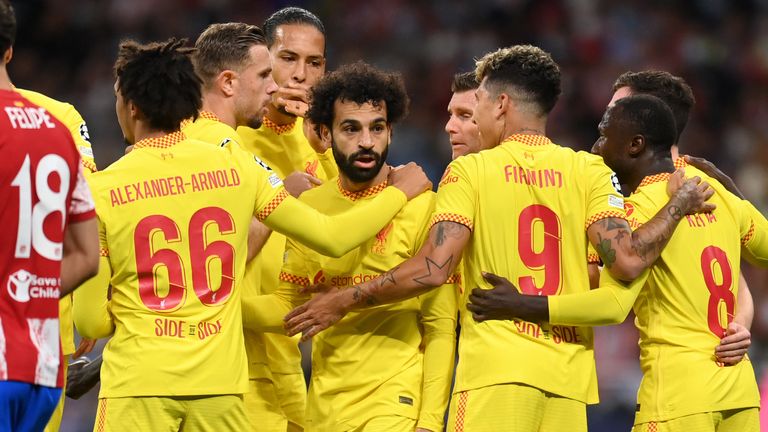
point(221, 109)
point(351, 186)
point(648, 168)
point(143, 131)
point(675, 152)
point(277, 117)
point(524, 124)
point(5, 80)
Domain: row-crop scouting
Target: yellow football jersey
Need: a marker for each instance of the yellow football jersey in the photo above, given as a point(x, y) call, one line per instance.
point(68, 115)
point(528, 203)
point(286, 150)
point(685, 307)
point(389, 360)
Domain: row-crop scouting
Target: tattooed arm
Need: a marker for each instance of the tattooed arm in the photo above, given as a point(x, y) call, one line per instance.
point(429, 268)
point(626, 253)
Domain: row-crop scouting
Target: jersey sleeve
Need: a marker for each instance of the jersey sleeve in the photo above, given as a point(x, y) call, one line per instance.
point(456, 197)
point(79, 130)
point(608, 304)
point(90, 302)
point(81, 206)
point(328, 164)
point(264, 313)
point(754, 234)
point(604, 199)
point(592, 256)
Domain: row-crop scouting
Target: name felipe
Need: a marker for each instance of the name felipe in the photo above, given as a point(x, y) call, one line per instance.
point(167, 186)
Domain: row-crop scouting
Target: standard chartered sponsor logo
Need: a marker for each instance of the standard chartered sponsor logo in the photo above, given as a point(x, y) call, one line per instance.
point(344, 280)
point(23, 286)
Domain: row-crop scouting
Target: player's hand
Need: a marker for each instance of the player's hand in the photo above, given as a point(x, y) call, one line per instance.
point(294, 99)
point(734, 345)
point(84, 347)
point(317, 144)
point(497, 303)
point(82, 375)
point(298, 182)
point(410, 179)
point(711, 170)
point(325, 309)
point(692, 195)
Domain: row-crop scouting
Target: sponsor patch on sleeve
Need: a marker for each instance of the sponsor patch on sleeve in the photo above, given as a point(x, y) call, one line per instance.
point(615, 183)
point(84, 134)
point(275, 181)
point(85, 151)
point(615, 201)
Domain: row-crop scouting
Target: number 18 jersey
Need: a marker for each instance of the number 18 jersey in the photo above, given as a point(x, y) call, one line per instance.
point(528, 203)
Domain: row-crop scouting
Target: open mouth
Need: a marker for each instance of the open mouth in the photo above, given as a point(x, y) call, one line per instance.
point(365, 162)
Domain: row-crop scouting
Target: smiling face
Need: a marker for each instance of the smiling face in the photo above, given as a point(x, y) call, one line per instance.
point(255, 88)
point(462, 130)
point(359, 139)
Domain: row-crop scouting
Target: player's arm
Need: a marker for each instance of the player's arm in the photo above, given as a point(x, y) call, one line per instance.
point(429, 268)
point(336, 235)
point(80, 260)
point(258, 234)
point(264, 313)
point(626, 254)
point(438, 311)
point(734, 345)
point(607, 305)
point(90, 303)
point(754, 235)
point(711, 170)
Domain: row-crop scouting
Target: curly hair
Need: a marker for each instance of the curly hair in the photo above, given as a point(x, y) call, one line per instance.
point(525, 72)
point(288, 16)
point(464, 81)
point(7, 26)
point(225, 46)
point(160, 80)
point(360, 83)
point(673, 90)
point(649, 116)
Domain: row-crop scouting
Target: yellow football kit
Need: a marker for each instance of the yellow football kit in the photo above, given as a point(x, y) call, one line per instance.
point(275, 358)
point(393, 360)
point(174, 216)
point(528, 203)
point(67, 115)
point(683, 305)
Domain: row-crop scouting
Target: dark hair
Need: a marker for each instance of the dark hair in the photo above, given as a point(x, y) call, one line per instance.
point(7, 26)
point(649, 116)
point(290, 15)
point(673, 90)
point(464, 81)
point(360, 83)
point(225, 46)
point(160, 80)
point(525, 72)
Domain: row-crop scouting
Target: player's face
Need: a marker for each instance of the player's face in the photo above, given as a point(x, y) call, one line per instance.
point(298, 57)
point(360, 139)
point(612, 144)
point(462, 131)
point(620, 93)
point(255, 87)
point(124, 116)
point(485, 118)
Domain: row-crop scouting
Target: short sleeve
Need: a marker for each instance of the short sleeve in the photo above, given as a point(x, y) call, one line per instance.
point(456, 195)
point(81, 206)
point(604, 199)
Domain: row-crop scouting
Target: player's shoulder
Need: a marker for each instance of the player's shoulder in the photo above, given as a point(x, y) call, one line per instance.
point(63, 111)
point(321, 193)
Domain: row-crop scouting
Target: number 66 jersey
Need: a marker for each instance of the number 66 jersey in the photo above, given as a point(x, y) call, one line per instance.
point(528, 203)
point(42, 191)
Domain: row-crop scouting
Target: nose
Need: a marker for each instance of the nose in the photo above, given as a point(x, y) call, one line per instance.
point(299, 72)
point(450, 126)
point(366, 141)
point(271, 86)
point(596, 148)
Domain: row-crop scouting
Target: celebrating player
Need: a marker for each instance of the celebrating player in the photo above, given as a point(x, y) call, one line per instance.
point(461, 129)
point(681, 314)
point(50, 247)
point(552, 195)
point(173, 217)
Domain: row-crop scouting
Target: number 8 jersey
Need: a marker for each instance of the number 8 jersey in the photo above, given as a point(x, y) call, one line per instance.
point(43, 190)
point(528, 203)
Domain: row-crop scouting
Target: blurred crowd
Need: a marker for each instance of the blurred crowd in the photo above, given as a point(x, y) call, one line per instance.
point(66, 48)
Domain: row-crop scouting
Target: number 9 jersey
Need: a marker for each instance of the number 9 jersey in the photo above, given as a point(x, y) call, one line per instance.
point(528, 203)
point(174, 216)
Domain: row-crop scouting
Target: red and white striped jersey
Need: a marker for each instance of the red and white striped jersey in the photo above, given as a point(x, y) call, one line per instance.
point(42, 190)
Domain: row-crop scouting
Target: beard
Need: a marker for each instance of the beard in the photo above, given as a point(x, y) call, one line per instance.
point(254, 122)
point(356, 174)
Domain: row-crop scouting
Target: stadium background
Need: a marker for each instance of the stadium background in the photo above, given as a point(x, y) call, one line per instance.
point(65, 48)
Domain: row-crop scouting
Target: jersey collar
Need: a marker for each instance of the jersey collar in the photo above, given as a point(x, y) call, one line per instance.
point(654, 179)
point(365, 193)
point(278, 129)
point(531, 140)
point(164, 141)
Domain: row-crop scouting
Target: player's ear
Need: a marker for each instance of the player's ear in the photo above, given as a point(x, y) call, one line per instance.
point(502, 104)
point(225, 82)
point(636, 145)
point(8, 55)
point(325, 135)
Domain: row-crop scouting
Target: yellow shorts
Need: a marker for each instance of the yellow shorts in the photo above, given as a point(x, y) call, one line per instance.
point(515, 408)
point(387, 424)
point(276, 406)
point(737, 420)
point(55, 422)
point(196, 413)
